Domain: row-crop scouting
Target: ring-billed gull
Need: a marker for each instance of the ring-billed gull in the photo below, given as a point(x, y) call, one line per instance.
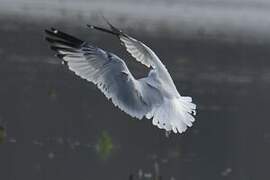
point(154, 97)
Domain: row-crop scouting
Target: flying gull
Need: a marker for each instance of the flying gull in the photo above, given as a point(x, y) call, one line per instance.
point(154, 97)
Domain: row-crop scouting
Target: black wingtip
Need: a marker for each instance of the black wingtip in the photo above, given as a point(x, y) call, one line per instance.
point(102, 29)
point(55, 33)
point(113, 28)
point(90, 26)
point(48, 32)
point(60, 56)
point(54, 48)
point(54, 30)
point(49, 40)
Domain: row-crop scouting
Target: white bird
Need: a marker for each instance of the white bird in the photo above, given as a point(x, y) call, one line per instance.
point(154, 96)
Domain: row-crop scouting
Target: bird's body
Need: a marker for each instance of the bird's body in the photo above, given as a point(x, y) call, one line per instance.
point(154, 96)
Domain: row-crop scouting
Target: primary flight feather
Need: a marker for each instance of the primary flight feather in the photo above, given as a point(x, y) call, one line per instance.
point(154, 96)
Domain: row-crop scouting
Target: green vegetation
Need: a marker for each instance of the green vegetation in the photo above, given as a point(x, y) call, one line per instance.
point(52, 94)
point(104, 146)
point(2, 135)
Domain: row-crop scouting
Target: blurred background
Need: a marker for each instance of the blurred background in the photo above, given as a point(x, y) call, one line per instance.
point(56, 126)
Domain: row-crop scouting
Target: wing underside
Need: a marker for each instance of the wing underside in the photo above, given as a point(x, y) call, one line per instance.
point(104, 69)
point(137, 49)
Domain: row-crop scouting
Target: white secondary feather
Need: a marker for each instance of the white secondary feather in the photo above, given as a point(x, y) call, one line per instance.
point(139, 51)
point(154, 96)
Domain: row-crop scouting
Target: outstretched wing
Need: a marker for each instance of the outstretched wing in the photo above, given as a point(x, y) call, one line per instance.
point(104, 69)
point(137, 49)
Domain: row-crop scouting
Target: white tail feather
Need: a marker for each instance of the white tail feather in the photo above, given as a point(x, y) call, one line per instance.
point(174, 114)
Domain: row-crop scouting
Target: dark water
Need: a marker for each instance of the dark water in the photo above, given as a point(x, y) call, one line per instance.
point(54, 121)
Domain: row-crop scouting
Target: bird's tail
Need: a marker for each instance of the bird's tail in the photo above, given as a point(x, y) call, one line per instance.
point(174, 114)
